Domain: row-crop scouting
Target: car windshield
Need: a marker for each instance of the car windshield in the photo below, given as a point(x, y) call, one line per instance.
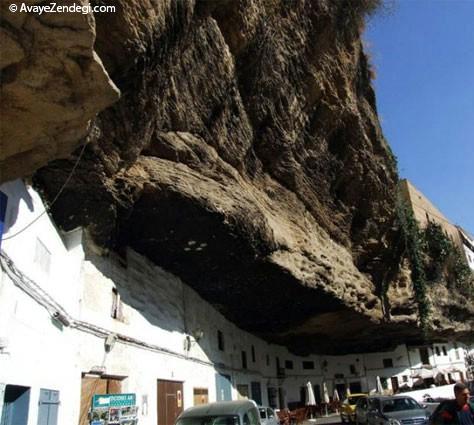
point(398, 404)
point(209, 420)
point(353, 400)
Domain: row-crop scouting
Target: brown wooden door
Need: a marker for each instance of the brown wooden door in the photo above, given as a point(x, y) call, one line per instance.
point(95, 385)
point(170, 401)
point(394, 380)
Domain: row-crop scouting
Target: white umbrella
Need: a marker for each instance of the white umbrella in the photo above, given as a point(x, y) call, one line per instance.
point(325, 393)
point(336, 399)
point(378, 385)
point(310, 399)
point(325, 397)
point(348, 392)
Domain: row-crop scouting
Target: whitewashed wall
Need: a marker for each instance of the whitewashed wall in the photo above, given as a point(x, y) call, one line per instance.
point(158, 310)
point(40, 352)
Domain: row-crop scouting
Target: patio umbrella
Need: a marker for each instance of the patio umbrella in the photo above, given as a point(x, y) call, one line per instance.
point(310, 399)
point(325, 397)
point(325, 393)
point(336, 399)
point(378, 385)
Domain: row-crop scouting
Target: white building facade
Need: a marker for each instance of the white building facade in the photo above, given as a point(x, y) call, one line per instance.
point(75, 322)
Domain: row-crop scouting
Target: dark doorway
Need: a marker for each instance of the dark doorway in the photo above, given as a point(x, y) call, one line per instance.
point(317, 393)
point(272, 397)
point(302, 395)
point(425, 358)
point(355, 387)
point(341, 390)
point(281, 398)
point(15, 405)
point(170, 401)
point(394, 380)
point(256, 392)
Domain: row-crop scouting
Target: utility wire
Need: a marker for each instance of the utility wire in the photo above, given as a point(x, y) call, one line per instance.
point(32, 289)
point(47, 209)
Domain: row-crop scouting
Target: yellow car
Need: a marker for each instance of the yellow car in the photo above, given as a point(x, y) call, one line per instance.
point(348, 407)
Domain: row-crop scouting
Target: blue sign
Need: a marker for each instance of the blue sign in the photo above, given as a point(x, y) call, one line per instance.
point(113, 400)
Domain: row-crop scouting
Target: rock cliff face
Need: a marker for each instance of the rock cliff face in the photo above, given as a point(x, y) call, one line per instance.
point(52, 84)
point(245, 156)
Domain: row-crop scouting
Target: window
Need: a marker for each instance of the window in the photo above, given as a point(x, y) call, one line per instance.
point(308, 364)
point(456, 353)
point(244, 360)
point(253, 354)
point(437, 351)
point(445, 353)
point(387, 363)
point(42, 256)
point(201, 396)
point(352, 369)
point(405, 378)
point(288, 364)
point(116, 311)
point(220, 340)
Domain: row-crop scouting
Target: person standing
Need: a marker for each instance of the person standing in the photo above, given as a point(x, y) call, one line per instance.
point(458, 411)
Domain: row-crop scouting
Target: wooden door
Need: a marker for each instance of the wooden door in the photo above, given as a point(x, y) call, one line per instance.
point(170, 401)
point(394, 380)
point(95, 385)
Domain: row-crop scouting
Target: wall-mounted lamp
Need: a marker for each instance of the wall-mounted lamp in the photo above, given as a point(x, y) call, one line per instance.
point(187, 343)
point(197, 334)
point(110, 342)
point(61, 318)
point(97, 370)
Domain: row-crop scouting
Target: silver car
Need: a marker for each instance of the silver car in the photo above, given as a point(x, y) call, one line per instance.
point(238, 412)
point(396, 410)
point(268, 416)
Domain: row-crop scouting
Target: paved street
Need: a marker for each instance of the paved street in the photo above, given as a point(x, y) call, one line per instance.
point(331, 419)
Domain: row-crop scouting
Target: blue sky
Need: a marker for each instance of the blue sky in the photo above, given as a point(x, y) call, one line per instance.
point(423, 54)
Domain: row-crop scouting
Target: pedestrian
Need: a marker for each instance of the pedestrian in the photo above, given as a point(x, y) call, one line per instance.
point(458, 411)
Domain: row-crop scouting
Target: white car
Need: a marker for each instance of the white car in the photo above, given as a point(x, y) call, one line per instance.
point(268, 416)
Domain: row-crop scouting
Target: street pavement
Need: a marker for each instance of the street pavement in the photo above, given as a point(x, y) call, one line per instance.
point(324, 420)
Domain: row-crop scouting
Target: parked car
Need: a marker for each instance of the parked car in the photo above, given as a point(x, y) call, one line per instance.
point(238, 412)
point(396, 410)
point(268, 416)
point(348, 407)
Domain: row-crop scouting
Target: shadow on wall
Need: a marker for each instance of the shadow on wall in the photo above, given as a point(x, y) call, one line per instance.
point(16, 192)
point(160, 298)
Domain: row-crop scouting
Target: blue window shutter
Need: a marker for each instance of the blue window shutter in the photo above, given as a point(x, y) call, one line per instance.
point(48, 407)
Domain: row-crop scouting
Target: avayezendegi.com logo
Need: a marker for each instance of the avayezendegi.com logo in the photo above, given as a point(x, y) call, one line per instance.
point(39, 9)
